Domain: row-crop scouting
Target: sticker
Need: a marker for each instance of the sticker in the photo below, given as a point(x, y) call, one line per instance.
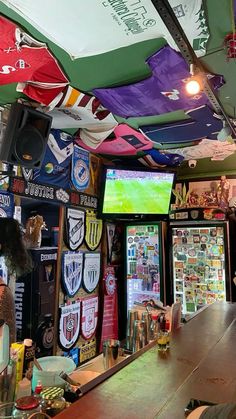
point(203, 238)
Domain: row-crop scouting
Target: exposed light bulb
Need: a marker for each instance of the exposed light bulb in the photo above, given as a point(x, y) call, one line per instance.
point(193, 87)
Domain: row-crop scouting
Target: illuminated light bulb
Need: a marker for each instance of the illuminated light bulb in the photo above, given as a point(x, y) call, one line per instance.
point(193, 87)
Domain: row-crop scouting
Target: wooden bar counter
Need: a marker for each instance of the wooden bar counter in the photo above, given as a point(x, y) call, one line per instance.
point(201, 363)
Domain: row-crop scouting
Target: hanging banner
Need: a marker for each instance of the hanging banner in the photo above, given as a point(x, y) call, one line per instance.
point(110, 235)
point(6, 204)
point(74, 232)
point(92, 263)
point(80, 174)
point(119, 23)
point(93, 233)
point(72, 266)
point(110, 306)
point(89, 317)
point(69, 325)
point(51, 193)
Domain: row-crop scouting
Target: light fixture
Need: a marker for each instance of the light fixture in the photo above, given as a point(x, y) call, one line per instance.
point(194, 83)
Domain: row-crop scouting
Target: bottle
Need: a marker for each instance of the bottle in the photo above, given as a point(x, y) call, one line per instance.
point(29, 354)
point(162, 321)
point(23, 388)
point(154, 327)
point(38, 389)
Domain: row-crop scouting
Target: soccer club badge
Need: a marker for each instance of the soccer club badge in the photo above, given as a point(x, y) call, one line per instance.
point(74, 232)
point(92, 263)
point(69, 325)
point(80, 174)
point(72, 266)
point(89, 317)
point(93, 231)
point(110, 280)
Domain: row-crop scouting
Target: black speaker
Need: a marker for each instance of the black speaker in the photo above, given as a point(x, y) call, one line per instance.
point(25, 138)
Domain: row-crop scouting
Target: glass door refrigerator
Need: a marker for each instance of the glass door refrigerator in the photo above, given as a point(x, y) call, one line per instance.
point(145, 262)
point(200, 263)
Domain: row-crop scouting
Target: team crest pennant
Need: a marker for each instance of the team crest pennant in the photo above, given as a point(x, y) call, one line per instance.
point(74, 228)
point(89, 317)
point(80, 174)
point(72, 266)
point(93, 230)
point(69, 325)
point(92, 263)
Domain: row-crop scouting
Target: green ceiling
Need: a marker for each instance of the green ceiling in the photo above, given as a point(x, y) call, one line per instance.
point(127, 65)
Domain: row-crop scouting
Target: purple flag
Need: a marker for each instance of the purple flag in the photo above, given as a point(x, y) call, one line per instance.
point(163, 92)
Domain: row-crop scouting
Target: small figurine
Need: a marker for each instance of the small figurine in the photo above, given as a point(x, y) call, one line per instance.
point(223, 192)
point(33, 231)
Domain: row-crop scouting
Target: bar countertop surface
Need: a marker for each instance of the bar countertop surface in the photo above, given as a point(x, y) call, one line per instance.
point(201, 364)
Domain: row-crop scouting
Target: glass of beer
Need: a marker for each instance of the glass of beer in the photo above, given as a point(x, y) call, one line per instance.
point(163, 340)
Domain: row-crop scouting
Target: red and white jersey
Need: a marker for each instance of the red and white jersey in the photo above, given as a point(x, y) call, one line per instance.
point(25, 60)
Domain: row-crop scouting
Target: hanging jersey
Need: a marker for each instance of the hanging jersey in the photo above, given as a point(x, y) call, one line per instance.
point(203, 123)
point(22, 62)
point(163, 92)
point(56, 165)
point(127, 142)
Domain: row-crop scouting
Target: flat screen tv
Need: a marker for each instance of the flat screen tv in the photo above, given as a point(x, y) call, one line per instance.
point(128, 192)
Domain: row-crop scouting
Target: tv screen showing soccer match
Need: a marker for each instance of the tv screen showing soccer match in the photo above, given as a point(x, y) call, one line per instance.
point(136, 192)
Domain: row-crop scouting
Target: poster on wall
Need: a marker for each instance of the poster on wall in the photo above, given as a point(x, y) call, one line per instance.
point(72, 266)
point(93, 230)
point(74, 232)
point(92, 263)
point(89, 317)
point(69, 325)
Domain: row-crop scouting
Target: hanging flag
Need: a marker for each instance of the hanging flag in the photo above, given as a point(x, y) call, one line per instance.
point(80, 174)
point(93, 233)
point(203, 123)
point(163, 92)
point(128, 142)
point(72, 266)
point(69, 325)
point(91, 275)
point(74, 231)
point(118, 23)
point(55, 169)
point(89, 317)
point(25, 60)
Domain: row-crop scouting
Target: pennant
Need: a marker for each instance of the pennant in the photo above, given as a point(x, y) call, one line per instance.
point(92, 263)
point(110, 236)
point(80, 174)
point(110, 280)
point(74, 232)
point(72, 266)
point(89, 317)
point(93, 230)
point(69, 325)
